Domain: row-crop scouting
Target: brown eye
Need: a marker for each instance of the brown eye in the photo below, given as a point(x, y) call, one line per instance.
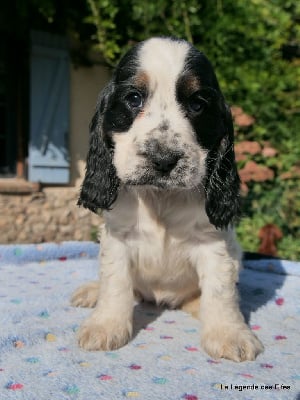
point(134, 100)
point(196, 103)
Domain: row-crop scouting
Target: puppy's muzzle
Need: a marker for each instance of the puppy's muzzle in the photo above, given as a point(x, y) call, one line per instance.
point(164, 162)
point(162, 158)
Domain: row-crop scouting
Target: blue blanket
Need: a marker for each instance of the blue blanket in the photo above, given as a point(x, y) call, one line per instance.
point(40, 359)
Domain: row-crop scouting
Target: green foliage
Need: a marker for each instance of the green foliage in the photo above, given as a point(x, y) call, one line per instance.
point(244, 41)
point(248, 43)
point(103, 13)
point(276, 202)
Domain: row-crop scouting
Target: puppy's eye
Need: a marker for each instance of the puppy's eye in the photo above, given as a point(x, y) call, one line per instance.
point(134, 100)
point(196, 103)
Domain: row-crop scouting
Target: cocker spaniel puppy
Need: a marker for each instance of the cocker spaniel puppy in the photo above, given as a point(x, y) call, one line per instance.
point(161, 165)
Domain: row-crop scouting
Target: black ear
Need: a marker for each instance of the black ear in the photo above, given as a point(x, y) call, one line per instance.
point(100, 186)
point(222, 186)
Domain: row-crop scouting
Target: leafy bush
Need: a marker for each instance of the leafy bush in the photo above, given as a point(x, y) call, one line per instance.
point(246, 42)
point(254, 46)
point(275, 201)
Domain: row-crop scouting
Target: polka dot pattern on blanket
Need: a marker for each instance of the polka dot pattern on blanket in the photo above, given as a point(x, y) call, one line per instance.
point(39, 354)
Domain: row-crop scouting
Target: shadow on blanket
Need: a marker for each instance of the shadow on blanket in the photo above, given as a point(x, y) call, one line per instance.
point(40, 358)
point(252, 299)
point(253, 295)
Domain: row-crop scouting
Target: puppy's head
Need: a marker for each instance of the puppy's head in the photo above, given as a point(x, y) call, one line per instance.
point(162, 121)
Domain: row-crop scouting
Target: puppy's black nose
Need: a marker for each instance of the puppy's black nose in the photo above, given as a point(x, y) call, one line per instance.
point(164, 162)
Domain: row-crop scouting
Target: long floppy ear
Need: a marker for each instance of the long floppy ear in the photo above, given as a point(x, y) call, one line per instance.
point(100, 186)
point(223, 183)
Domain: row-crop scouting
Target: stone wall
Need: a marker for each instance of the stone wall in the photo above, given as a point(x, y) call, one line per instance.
point(50, 215)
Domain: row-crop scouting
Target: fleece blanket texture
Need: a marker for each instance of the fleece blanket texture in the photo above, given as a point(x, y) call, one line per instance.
point(40, 358)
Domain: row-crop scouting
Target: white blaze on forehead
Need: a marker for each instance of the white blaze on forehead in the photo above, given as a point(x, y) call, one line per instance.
point(163, 60)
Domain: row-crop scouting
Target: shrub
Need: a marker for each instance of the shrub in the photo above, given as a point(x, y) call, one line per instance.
point(250, 44)
point(254, 46)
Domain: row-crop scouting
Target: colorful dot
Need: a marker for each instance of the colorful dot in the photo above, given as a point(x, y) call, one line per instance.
point(15, 386)
point(135, 367)
point(192, 330)
point(189, 370)
point(50, 337)
point(84, 364)
point(16, 301)
point(112, 355)
point(255, 327)
point(159, 381)
point(18, 344)
point(246, 375)
point(217, 385)
point(65, 349)
point(279, 301)
point(72, 389)
point(280, 337)
point(266, 365)
point(33, 360)
point(190, 397)
point(104, 377)
point(210, 361)
point(165, 357)
point(18, 252)
point(51, 373)
point(149, 328)
point(131, 393)
point(44, 314)
point(141, 345)
point(191, 348)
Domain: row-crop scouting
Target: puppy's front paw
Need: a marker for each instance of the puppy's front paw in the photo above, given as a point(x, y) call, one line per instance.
point(236, 343)
point(86, 295)
point(104, 335)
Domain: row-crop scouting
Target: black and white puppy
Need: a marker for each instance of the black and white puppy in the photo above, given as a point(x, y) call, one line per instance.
point(161, 165)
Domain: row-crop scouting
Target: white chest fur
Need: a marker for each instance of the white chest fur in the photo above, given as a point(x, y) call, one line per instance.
point(163, 233)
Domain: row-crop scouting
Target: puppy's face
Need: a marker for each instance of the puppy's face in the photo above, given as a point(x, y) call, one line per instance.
point(162, 121)
point(163, 115)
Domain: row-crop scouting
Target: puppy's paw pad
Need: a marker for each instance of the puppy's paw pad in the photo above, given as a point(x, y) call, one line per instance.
point(236, 345)
point(104, 336)
point(86, 295)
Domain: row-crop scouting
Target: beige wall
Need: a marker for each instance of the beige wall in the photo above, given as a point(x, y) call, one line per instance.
point(86, 83)
point(52, 214)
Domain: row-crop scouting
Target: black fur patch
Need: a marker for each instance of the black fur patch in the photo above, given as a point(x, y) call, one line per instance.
point(214, 131)
point(200, 98)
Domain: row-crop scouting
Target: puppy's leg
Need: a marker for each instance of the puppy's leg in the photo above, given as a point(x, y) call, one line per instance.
point(191, 306)
point(110, 324)
point(86, 295)
point(224, 331)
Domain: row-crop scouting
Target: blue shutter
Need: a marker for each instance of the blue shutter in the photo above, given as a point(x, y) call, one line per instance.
point(49, 109)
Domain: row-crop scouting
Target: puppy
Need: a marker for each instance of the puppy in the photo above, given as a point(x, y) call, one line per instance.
point(162, 168)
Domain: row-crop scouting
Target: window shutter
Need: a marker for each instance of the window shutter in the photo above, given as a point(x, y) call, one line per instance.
point(49, 109)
